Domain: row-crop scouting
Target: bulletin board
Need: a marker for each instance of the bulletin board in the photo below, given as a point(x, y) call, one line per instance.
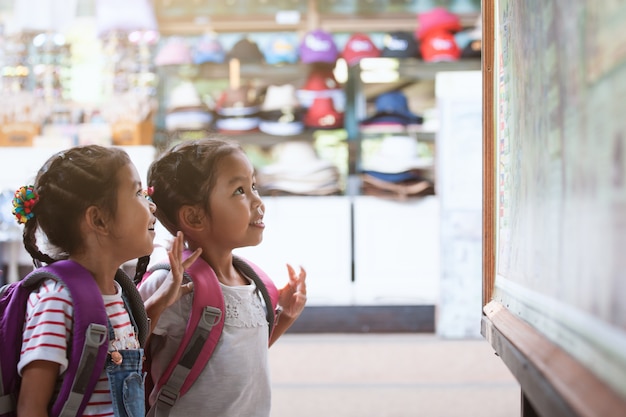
point(554, 290)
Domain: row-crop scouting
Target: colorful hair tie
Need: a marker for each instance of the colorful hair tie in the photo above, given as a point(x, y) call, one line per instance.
point(23, 201)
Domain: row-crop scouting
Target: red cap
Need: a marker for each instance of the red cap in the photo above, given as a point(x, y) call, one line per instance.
point(437, 19)
point(359, 46)
point(320, 80)
point(440, 46)
point(322, 114)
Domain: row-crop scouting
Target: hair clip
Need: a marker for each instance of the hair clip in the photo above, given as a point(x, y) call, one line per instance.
point(23, 202)
point(147, 193)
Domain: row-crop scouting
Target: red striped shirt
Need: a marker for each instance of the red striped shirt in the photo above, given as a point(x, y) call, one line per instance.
point(47, 332)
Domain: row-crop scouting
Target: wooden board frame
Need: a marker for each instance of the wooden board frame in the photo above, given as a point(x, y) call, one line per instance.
point(553, 383)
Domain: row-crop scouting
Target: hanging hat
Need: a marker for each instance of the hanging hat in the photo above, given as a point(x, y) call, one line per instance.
point(440, 46)
point(184, 95)
point(392, 108)
point(323, 115)
point(321, 83)
point(186, 110)
point(188, 120)
point(359, 46)
point(281, 50)
point(435, 20)
point(237, 124)
point(399, 45)
point(246, 51)
point(473, 49)
point(243, 101)
point(474, 36)
point(208, 49)
point(175, 51)
point(396, 154)
point(298, 170)
point(281, 113)
point(238, 110)
point(372, 185)
point(318, 46)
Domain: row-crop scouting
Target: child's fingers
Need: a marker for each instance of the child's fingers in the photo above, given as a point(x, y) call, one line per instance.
point(297, 280)
point(176, 250)
point(192, 258)
point(186, 288)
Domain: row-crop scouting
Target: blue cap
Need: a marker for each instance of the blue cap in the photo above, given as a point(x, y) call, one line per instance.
point(208, 49)
point(281, 50)
point(392, 107)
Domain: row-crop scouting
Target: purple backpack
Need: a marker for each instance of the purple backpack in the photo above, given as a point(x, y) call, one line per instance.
point(88, 350)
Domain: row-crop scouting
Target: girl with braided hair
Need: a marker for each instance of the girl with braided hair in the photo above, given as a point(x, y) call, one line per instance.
point(87, 205)
point(206, 189)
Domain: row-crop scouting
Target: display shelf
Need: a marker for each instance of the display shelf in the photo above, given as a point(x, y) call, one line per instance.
point(269, 73)
point(418, 130)
point(380, 21)
point(183, 18)
point(379, 75)
point(259, 138)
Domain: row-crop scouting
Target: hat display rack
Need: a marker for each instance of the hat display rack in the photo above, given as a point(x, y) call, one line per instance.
point(261, 109)
point(395, 151)
point(269, 107)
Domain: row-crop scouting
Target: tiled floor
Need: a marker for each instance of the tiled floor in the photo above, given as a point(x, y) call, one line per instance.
point(389, 375)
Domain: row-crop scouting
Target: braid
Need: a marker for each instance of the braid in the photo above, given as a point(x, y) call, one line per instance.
point(140, 270)
point(67, 184)
point(30, 243)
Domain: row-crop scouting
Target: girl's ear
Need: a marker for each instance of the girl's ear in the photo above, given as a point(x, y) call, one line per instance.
point(95, 220)
point(191, 217)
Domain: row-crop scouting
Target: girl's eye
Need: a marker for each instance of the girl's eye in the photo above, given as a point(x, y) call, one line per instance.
point(254, 187)
point(239, 191)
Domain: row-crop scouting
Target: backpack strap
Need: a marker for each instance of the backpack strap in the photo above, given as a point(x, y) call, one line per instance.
point(204, 328)
point(89, 338)
point(137, 311)
point(203, 331)
point(88, 349)
point(265, 285)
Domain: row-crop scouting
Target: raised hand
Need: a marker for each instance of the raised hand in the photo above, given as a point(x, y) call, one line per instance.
point(292, 297)
point(172, 288)
point(173, 285)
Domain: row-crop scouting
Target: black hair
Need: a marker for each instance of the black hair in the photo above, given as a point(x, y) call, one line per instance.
point(67, 184)
point(185, 175)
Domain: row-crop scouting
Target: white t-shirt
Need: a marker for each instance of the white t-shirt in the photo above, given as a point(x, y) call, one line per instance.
point(235, 381)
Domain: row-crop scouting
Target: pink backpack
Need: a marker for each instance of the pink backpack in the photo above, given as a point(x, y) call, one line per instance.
point(203, 330)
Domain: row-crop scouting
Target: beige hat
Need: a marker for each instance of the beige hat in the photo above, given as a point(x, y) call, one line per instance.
point(299, 170)
point(396, 154)
point(278, 97)
point(184, 95)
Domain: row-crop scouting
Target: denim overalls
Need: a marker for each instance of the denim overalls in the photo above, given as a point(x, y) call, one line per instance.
point(126, 380)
